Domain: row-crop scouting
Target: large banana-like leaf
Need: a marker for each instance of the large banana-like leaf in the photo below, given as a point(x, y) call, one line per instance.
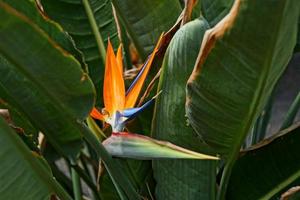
point(146, 20)
point(267, 168)
point(24, 174)
point(46, 83)
point(180, 179)
point(30, 9)
point(72, 15)
point(237, 67)
point(233, 77)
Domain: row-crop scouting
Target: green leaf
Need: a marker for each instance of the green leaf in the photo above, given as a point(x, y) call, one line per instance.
point(46, 83)
point(30, 9)
point(136, 146)
point(73, 18)
point(146, 20)
point(24, 175)
point(19, 121)
point(181, 179)
point(236, 71)
point(225, 95)
point(267, 168)
point(215, 10)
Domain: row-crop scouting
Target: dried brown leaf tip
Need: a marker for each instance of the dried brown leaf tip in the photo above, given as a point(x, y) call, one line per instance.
point(214, 34)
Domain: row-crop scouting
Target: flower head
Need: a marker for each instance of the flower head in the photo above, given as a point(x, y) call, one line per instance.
point(118, 104)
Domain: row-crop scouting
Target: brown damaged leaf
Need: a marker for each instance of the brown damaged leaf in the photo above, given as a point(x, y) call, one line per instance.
point(5, 114)
point(187, 11)
point(212, 35)
point(288, 194)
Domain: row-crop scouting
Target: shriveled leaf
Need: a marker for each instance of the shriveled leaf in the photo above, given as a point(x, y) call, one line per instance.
point(268, 168)
point(146, 20)
point(44, 82)
point(24, 175)
point(136, 146)
point(181, 179)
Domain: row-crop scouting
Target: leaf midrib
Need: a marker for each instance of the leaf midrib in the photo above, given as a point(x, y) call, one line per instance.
point(258, 95)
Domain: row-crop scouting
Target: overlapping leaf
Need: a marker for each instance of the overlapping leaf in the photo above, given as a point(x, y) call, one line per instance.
point(46, 83)
point(73, 18)
point(24, 175)
point(267, 168)
point(146, 20)
point(180, 179)
point(215, 10)
point(237, 69)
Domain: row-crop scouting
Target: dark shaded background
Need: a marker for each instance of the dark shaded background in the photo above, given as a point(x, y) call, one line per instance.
point(288, 88)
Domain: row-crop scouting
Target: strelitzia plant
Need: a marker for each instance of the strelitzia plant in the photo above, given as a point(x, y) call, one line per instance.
point(120, 105)
point(119, 108)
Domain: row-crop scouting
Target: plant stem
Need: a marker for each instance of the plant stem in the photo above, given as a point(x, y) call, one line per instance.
point(95, 29)
point(76, 184)
point(95, 128)
point(225, 180)
point(61, 193)
point(120, 181)
point(88, 181)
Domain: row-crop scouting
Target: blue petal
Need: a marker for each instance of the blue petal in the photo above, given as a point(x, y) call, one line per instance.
point(132, 112)
point(138, 76)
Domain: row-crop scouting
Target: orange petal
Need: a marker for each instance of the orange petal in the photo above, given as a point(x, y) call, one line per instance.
point(135, 89)
point(120, 58)
point(114, 88)
point(96, 114)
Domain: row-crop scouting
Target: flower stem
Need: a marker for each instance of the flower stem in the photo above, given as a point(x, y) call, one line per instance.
point(76, 184)
point(95, 29)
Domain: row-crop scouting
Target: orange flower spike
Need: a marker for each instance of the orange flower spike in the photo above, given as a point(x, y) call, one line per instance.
point(134, 92)
point(114, 88)
point(97, 115)
point(119, 58)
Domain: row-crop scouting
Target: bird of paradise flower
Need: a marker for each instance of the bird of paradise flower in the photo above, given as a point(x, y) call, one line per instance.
point(119, 105)
point(119, 109)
